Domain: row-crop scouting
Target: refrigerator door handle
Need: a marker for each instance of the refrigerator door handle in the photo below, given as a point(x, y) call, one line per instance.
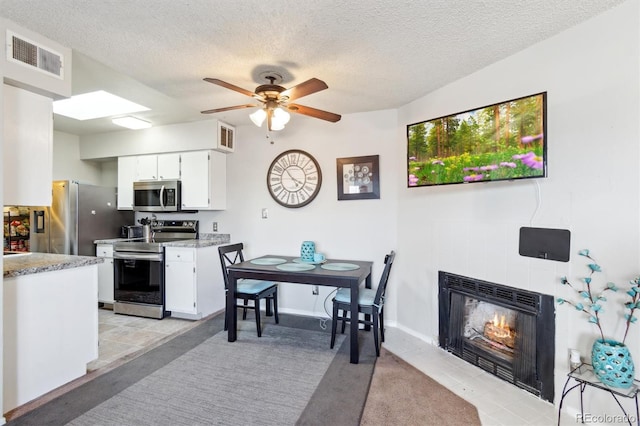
point(162, 197)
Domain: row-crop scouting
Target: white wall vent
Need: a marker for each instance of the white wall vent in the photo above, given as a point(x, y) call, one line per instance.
point(24, 51)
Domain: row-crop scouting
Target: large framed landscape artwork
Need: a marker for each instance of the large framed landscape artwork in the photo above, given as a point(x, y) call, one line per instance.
point(503, 141)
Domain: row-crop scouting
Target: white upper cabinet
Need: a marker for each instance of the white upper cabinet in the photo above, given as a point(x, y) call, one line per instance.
point(169, 166)
point(126, 176)
point(204, 180)
point(203, 175)
point(158, 166)
point(27, 147)
point(146, 167)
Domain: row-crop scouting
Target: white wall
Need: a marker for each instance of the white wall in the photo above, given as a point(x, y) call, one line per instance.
point(590, 73)
point(353, 229)
point(67, 164)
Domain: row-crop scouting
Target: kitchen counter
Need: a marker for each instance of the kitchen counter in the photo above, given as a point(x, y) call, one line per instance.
point(50, 311)
point(205, 240)
point(36, 263)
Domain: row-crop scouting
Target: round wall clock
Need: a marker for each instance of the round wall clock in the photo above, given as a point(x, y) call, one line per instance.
point(294, 178)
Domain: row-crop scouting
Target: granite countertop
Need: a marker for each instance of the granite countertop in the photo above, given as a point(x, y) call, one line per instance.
point(205, 240)
point(35, 263)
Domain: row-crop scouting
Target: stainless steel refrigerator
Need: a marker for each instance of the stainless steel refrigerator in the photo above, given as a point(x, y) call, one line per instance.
point(79, 214)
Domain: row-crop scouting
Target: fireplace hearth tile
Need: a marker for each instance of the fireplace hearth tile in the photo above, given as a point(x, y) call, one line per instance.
point(489, 394)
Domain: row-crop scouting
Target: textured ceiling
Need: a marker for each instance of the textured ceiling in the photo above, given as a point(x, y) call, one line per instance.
point(374, 54)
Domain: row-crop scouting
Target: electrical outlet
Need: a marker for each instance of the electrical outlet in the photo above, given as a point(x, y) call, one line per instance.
point(315, 290)
point(265, 213)
point(215, 226)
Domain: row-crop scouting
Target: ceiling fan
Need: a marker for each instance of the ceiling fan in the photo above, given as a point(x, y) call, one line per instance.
point(276, 101)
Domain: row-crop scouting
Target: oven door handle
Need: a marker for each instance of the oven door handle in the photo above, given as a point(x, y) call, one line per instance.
point(158, 257)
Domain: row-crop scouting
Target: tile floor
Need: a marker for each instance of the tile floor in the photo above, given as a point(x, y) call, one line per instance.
point(498, 402)
point(122, 337)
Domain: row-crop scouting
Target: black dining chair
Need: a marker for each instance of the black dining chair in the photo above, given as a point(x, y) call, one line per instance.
point(247, 289)
point(370, 302)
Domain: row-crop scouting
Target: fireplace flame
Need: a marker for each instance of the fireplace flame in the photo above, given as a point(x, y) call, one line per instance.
point(501, 328)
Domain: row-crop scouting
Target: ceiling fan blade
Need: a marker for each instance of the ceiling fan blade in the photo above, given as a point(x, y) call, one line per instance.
point(313, 112)
point(211, 111)
point(230, 86)
point(305, 88)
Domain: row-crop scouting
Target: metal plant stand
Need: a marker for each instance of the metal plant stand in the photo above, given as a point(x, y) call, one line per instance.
point(585, 377)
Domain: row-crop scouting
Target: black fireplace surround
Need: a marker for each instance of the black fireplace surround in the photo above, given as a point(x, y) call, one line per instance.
point(531, 366)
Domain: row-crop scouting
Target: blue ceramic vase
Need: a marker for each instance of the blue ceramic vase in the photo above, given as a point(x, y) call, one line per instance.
point(612, 363)
point(307, 251)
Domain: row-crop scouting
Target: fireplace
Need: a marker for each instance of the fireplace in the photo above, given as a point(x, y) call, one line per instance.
point(506, 331)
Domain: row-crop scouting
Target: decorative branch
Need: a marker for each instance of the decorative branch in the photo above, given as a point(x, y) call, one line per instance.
point(592, 303)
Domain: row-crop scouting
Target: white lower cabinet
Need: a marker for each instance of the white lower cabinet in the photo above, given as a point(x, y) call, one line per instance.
point(105, 273)
point(193, 285)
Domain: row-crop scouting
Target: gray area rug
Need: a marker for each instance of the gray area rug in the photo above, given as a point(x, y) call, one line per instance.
point(338, 399)
point(267, 381)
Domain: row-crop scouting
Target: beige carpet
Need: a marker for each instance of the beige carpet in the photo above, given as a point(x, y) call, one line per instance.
point(400, 394)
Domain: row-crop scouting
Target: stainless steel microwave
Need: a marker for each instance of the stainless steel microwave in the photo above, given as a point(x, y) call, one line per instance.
point(157, 196)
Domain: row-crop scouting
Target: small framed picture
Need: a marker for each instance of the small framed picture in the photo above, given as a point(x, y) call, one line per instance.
point(358, 178)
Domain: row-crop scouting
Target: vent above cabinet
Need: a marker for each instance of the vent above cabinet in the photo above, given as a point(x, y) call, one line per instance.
point(226, 138)
point(28, 53)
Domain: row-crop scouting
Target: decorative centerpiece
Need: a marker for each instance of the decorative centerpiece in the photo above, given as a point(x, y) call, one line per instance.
point(611, 360)
point(307, 250)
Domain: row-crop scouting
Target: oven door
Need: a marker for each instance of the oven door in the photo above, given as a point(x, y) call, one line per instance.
point(156, 196)
point(139, 278)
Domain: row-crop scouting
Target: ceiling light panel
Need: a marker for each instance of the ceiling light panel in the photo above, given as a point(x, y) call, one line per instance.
point(131, 123)
point(95, 105)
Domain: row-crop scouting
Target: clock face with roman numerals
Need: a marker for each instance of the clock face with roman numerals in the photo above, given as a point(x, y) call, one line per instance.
point(294, 178)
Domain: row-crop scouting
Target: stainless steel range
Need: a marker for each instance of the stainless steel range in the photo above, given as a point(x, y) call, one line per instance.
point(139, 268)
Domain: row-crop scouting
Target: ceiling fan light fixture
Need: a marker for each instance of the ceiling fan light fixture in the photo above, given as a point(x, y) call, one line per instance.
point(275, 101)
point(258, 117)
point(280, 116)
